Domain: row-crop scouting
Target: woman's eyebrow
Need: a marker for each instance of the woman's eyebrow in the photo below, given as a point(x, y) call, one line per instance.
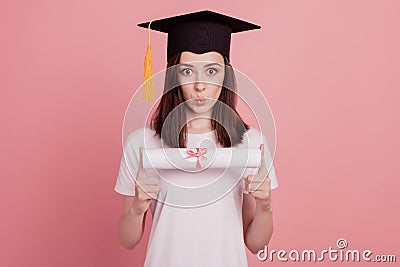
point(207, 65)
point(212, 64)
point(185, 64)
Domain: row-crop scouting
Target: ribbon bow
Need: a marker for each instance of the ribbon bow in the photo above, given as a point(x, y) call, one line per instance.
point(199, 153)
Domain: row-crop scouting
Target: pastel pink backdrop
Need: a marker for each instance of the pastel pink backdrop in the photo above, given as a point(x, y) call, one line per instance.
point(329, 69)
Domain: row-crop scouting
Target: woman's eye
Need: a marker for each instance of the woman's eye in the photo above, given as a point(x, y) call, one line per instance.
point(211, 71)
point(186, 71)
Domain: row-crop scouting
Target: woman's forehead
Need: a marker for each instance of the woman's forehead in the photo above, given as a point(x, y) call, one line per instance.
point(212, 56)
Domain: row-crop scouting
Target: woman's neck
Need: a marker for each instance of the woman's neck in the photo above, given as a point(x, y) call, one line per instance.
point(199, 126)
point(199, 123)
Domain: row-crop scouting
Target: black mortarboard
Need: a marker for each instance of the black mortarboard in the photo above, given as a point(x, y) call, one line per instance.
point(197, 32)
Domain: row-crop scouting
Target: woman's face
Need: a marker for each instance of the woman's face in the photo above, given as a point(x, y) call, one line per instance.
point(201, 77)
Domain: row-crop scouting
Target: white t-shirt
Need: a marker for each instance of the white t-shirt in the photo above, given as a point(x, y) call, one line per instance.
point(197, 219)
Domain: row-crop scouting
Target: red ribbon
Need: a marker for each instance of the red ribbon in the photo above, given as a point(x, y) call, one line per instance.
point(198, 154)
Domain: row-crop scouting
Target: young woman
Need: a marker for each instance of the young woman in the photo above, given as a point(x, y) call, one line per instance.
point(202, 106)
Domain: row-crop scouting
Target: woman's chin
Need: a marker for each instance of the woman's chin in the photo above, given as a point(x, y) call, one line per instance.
point(200, 109)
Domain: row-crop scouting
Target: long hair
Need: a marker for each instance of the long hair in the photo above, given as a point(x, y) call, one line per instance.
point(169, 126)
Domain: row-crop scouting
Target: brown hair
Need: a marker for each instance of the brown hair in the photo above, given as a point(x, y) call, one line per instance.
point(229, 134)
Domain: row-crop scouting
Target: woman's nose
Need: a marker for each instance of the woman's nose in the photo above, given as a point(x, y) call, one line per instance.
point(199, 86)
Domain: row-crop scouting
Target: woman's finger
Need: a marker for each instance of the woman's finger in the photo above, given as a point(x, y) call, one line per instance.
point(263, 165)
point(140, 158)
point(249, 178)
point(259, 184)
point(152, 189)
point(152, 181)
point(254, 186)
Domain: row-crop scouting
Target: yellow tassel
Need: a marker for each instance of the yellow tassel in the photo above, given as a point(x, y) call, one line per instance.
point(148, 86)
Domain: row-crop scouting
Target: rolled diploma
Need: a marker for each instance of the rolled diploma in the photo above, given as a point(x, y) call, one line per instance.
point(187, 159)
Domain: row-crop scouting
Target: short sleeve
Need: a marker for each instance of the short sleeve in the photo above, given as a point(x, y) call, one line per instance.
point(125, 183)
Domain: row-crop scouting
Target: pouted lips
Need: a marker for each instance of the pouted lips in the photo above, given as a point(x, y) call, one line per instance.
point(200, 101)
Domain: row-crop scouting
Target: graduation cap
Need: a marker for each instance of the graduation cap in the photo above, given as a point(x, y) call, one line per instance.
point(197, 32)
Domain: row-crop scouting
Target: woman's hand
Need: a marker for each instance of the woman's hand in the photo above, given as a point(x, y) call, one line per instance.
point(259, 186)
point(146, 189)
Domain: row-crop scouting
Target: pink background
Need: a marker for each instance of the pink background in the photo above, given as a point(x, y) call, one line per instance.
point(329, 69)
